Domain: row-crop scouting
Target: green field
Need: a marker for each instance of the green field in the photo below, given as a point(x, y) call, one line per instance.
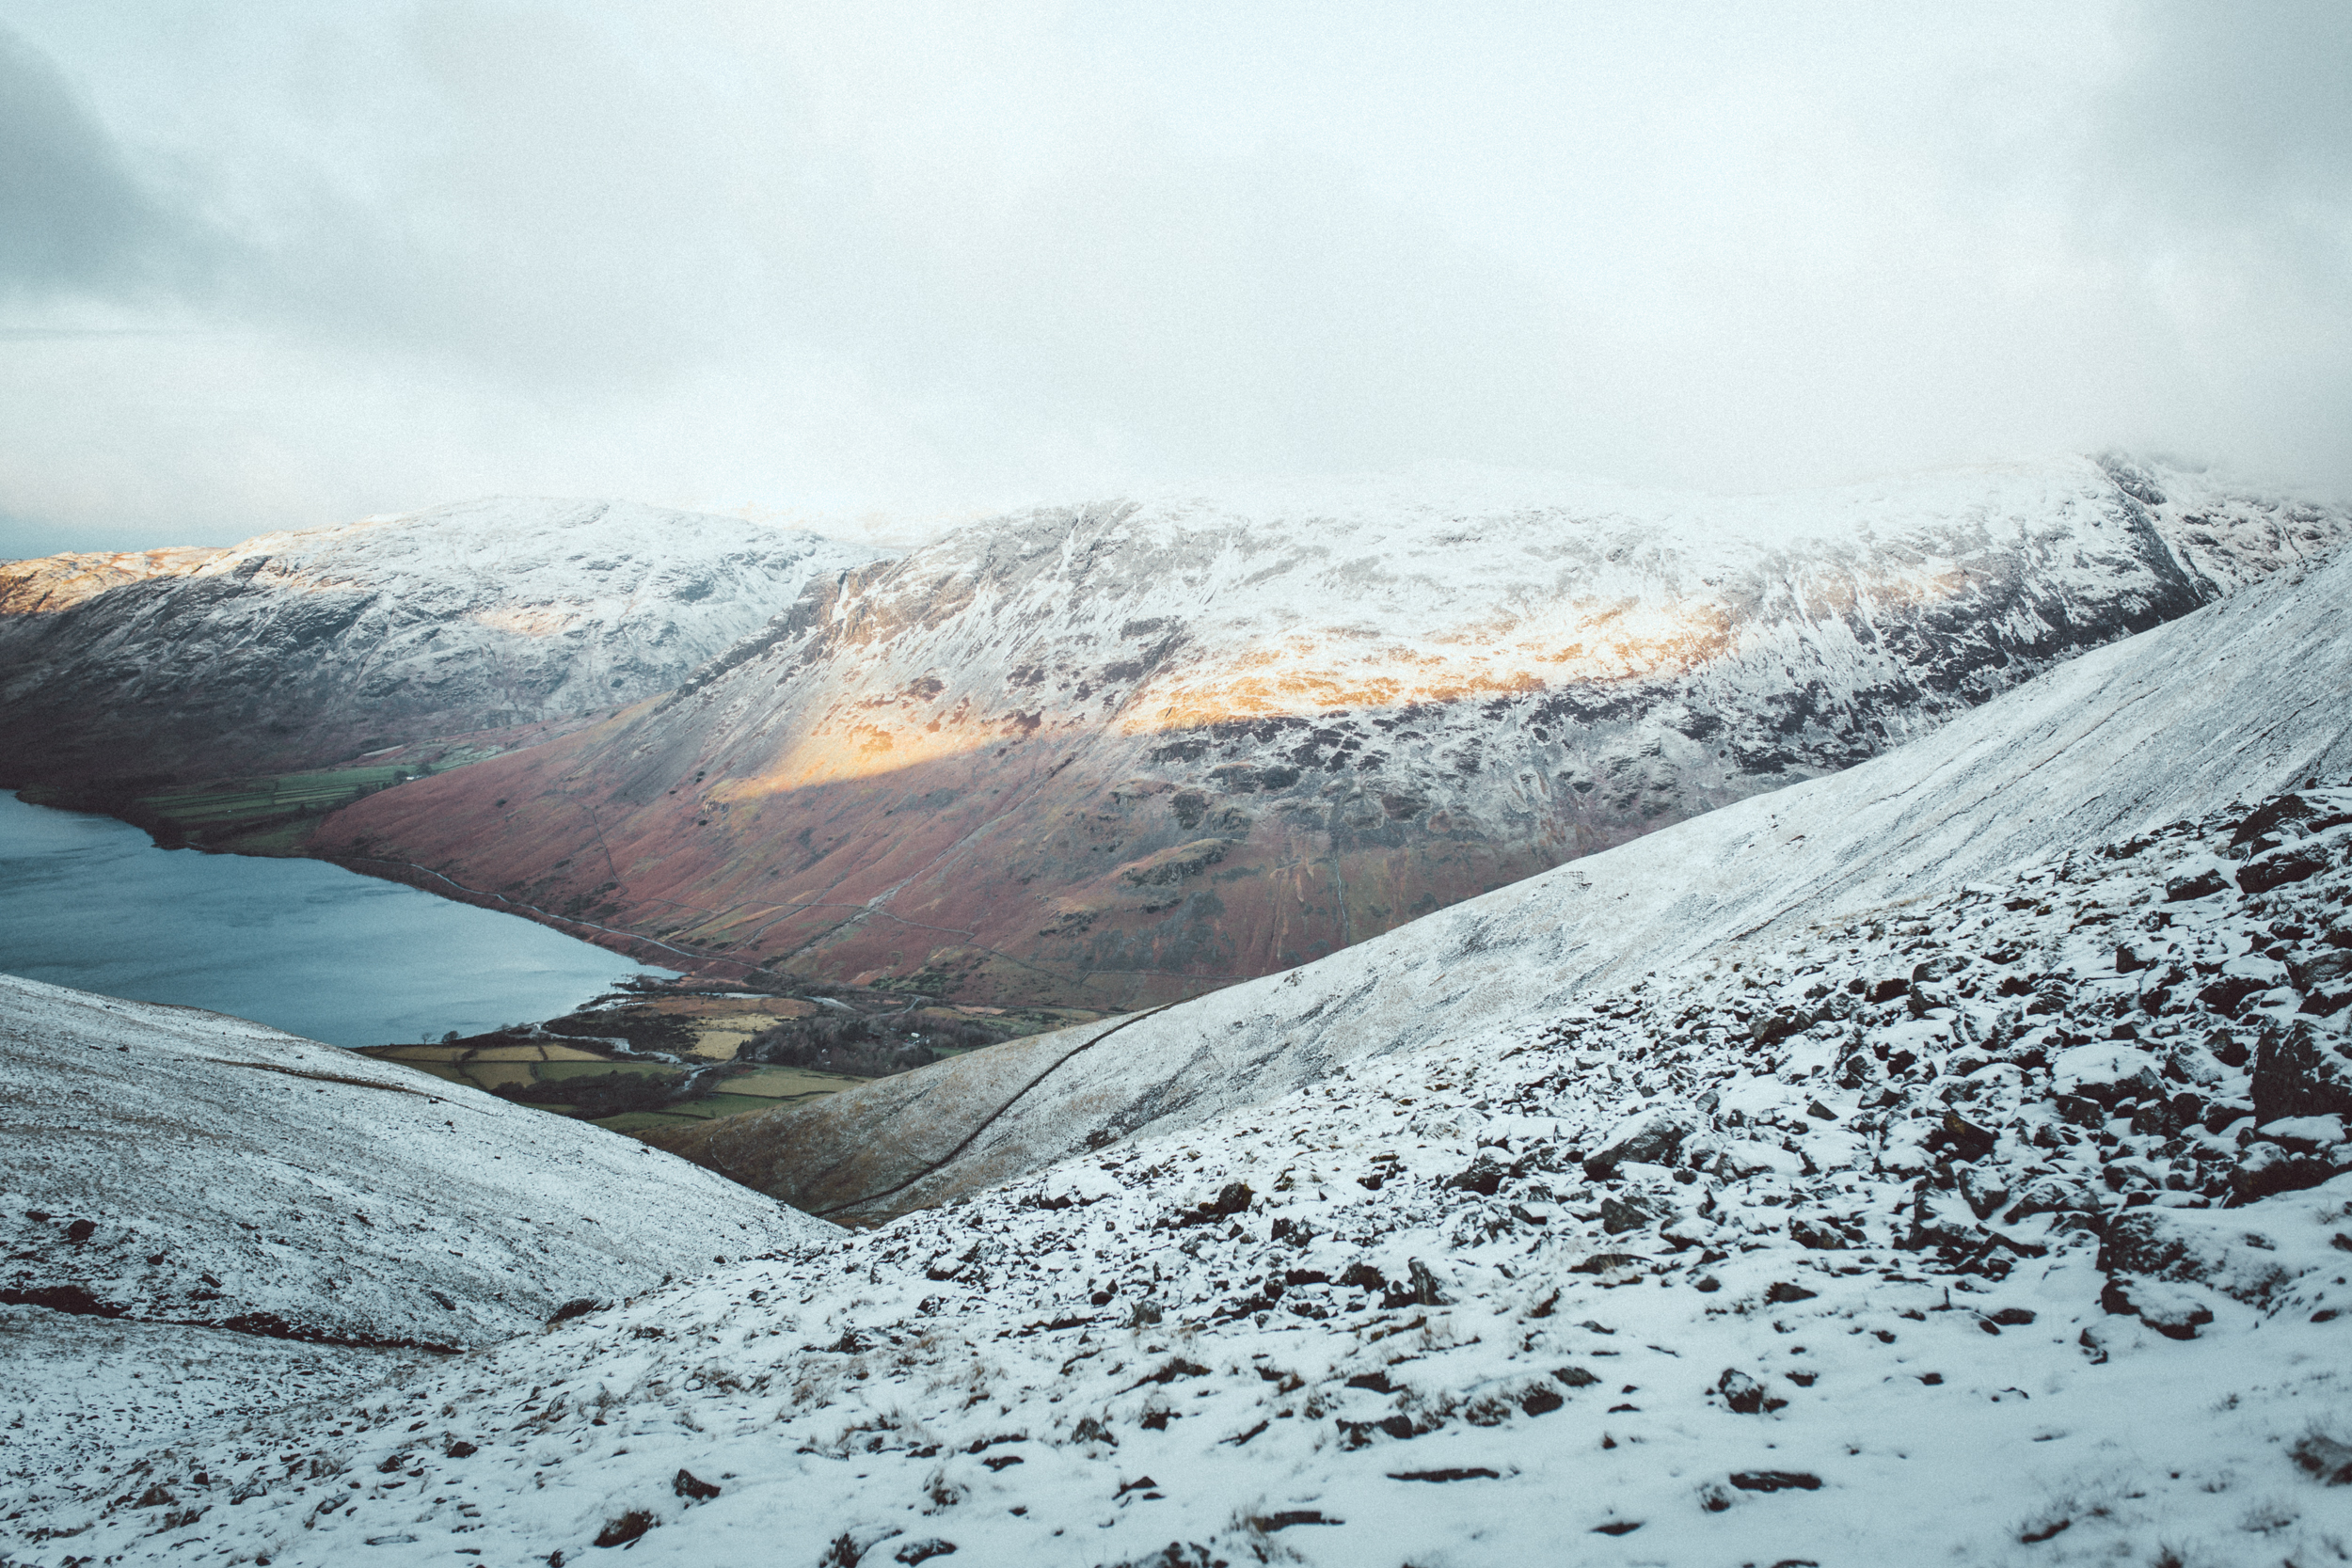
point(274, 812)
point(509, 1066)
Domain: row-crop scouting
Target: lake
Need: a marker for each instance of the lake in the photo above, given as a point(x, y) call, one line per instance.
point(301, 945)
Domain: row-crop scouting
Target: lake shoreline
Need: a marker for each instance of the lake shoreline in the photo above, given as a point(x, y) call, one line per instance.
point(299, 941)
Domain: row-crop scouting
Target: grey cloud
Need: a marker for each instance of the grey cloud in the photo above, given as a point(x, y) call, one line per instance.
point(74, 217)
point(885, 255)
point(2238, 114)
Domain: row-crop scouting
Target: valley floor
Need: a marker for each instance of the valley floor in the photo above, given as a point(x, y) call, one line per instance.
point(2011, 1225)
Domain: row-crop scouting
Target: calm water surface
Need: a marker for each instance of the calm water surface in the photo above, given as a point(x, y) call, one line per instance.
point(301, 945)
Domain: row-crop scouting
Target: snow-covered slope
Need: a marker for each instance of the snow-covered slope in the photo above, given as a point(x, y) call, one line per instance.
point(2244, 697)
point(167, 1165)
point(52, 584)
point(1121, 754)
point(2005, 1224)
point(304, 647)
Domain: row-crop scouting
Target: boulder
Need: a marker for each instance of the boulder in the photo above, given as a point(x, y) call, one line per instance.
point(1742, 1393)
point(1617, 1216)
point(2174, 1311)
point(1744, 1157)
point(1651, 1137)
point(2292, 863)
point(2216, 1249)
point(2300, 1072)
point(2108, 1071)
point(2195, 884)
point(2267, 1168)
point(2303, 1134)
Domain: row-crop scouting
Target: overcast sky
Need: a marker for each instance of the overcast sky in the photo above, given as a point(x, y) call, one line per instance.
point(268, 263)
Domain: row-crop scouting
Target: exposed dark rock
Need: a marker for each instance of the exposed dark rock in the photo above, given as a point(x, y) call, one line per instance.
point(2200, 885)
point(2265, 1168)
point(628, 1527)
point(2325, 1458)
point(1742, 1393)
point(1484, 1175)
point(2280, 867)
point(1617, 1216)
point(2298, 1072)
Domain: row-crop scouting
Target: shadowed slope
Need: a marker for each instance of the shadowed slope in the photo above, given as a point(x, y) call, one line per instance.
point(2243, 698)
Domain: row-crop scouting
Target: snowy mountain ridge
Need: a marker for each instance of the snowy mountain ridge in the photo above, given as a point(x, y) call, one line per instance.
point(1121, 753)
point(2238, 699)
point(298, 648)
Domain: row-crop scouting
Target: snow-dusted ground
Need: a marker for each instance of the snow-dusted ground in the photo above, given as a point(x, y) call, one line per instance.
point(1984, 1202)
point(203, 1217)
point(1848, 1303)
point(172, 1164)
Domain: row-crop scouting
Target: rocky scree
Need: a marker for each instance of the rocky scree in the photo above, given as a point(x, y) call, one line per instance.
point(1991, 1187)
